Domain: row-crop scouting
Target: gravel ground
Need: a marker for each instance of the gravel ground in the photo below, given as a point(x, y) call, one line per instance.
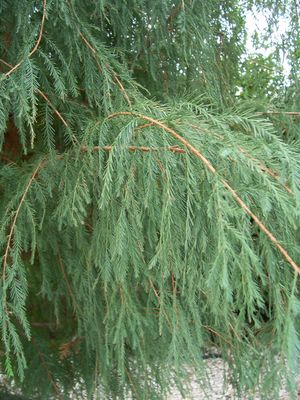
point(219, 390)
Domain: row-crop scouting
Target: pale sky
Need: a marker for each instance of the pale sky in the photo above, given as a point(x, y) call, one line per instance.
point(258, 23)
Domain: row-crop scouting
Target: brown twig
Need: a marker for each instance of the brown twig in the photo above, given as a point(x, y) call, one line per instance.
point(158, 301)
point(45, 97)
point(216, 333)
point(173, 15)
point(6, 63)
point(173, 149)
point(61, 265)
point(290, 113)
point(155, 291)
point(132, 383)
point(65, 348)
point(48, 325)
point(7, 159)
point(263, 167)
point(94, 51)
point(143, 126)
point(42, 94)
point(17, 212)
point(173, 284)
point(46, 368)
point(88, 44)
point(122, 89)
point(37, 42)
point(210, 167)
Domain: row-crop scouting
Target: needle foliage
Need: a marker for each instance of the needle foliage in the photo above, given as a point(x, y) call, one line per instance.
point(148, 213)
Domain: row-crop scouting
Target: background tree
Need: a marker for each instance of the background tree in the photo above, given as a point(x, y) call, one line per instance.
point(147, 212)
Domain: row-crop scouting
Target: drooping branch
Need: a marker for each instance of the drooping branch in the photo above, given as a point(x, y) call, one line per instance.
point(261, 165)
point(116, 79)
point(62, 269)
point(47, 370)
point(264, 168)
point(17, 212)
point(211, 168)
point(44, 96)
point(13, 69)
point(173, 15)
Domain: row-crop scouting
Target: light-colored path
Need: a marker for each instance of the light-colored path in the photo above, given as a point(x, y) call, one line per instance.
point(218, 391)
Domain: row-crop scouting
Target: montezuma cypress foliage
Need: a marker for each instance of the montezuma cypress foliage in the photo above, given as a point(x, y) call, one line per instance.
point(147, 215)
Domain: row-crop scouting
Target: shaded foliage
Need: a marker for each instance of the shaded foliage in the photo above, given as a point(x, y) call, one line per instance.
point(146, 214)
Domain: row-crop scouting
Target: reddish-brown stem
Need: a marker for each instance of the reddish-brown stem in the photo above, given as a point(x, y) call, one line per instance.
point(173, 15)
point(122, 89)
point(216, 333)
point(265, 169)
point(173, 282)
point(37, 42)
point(44, 96)
point(116, 79)
point(269, 171)
point(17, 212)
point(144, 126)
point(46, 368)
point(173, 149)
point(88, 44)
point(132, 383)
point(48, 325)
point(211, 168)
point(61, 266)
point(7, 159)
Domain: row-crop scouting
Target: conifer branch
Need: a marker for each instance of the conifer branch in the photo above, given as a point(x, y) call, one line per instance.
point(264, 168)
point(88, 44)
point(7, 159)
point(173, 149)
point(94, 51)
point(144, 126)
point(45, 97)
point(174, 14)
point(36, 44)
point(158, 301)
point(42, 94)
point(61, 266)
point(17, 212)
point(208, 328)
point(122, 89)
point(261, 165)
point(47, 370)
point(210, 167)
point(132, 383)
point(179, 259)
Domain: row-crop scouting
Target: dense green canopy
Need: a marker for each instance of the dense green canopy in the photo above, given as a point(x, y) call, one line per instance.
point(149, 197)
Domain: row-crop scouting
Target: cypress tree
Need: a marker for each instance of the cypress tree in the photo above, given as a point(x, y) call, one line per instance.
point(148, 215)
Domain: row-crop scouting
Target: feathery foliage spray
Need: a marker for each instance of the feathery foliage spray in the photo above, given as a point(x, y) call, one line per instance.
point(147, 215)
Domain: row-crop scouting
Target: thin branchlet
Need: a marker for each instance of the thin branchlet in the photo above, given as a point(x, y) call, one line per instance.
point(40, 35)
point(208, 164)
